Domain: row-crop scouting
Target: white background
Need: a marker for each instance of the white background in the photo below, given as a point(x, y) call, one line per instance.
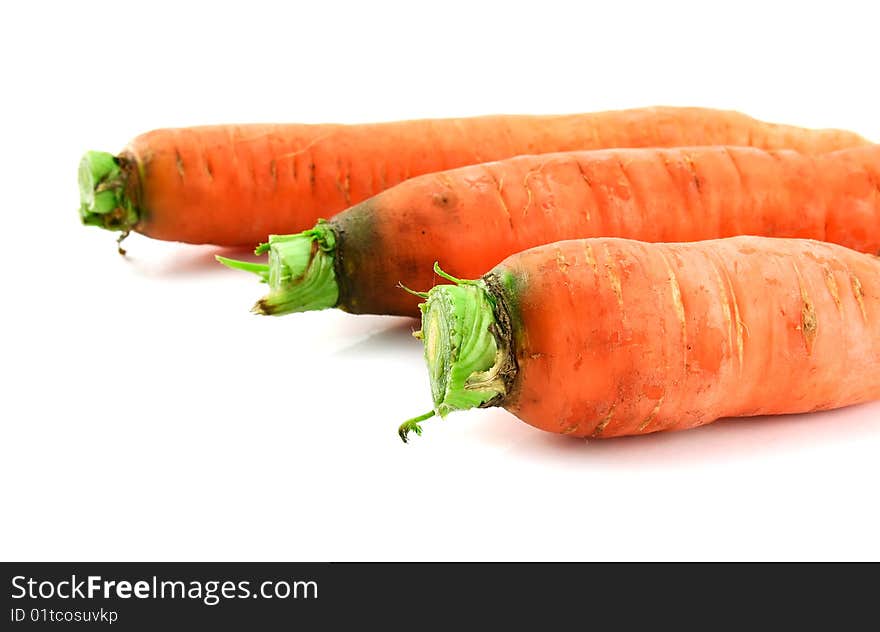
point(146, 414)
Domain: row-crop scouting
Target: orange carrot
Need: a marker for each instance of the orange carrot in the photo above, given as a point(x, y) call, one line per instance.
point(607, 337)
point(235, 184)
point(471, 218)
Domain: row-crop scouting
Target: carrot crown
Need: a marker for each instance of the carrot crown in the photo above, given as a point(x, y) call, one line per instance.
point(301, 271)
point(464, 350)
point(102, 193)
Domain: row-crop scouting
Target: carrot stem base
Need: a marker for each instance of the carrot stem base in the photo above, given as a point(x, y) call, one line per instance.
point(464, 349)
point(301, 272)
point(103, 194)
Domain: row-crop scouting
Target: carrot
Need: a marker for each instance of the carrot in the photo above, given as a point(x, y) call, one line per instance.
point(235, 184)
point(607, 337)
point(473, 217)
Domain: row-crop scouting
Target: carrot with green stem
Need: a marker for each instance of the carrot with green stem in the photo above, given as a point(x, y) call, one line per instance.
point(607, 337)
point(473, 217)
point(234, 184)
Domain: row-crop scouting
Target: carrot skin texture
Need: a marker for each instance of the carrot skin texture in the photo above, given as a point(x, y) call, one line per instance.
point(470, 218)
point(617, 337)
point(235, 184)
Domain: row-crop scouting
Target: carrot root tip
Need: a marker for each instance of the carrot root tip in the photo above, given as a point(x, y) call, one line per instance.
point(102, 192)
point(301, 272)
